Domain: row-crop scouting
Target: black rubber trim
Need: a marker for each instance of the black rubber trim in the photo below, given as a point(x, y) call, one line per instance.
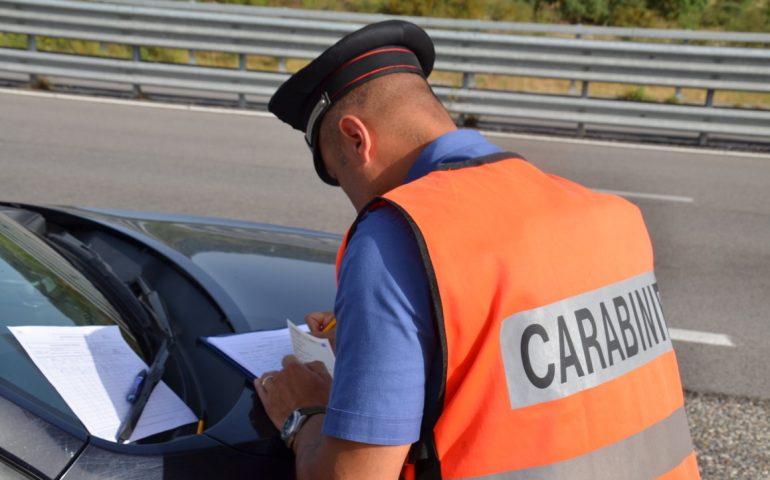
point(438, 309)
point(369, 206)
point(423, 453)
point(438, 312)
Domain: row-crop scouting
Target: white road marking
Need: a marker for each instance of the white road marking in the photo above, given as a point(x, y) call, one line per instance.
point(253, 113)
point(706, 338)
point(138, 103)
point(648, 196)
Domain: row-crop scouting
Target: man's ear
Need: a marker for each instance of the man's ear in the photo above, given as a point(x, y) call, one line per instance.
point(356, 137)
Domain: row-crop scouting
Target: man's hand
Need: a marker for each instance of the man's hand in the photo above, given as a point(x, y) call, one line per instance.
point(297, 385)
point(318, 456)
point(317, 321)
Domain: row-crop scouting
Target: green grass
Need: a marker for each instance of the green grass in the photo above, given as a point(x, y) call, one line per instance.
point(636, 94)
point(13, 40)
point(727, 15)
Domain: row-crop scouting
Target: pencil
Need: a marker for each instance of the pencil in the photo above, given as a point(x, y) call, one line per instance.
point(330, 325)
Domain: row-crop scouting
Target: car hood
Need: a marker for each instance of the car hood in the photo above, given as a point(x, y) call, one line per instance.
point(260, 274)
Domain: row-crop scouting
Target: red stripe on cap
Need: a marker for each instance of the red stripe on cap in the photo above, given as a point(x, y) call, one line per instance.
point(369, 74)
point(374, 52)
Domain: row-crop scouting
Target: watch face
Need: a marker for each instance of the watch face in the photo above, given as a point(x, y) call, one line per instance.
point(290, 424)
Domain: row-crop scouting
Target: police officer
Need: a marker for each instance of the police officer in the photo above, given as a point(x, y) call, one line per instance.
point(492, 320)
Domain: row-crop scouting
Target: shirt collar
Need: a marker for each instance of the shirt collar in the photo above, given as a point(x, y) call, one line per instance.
point(454, 146)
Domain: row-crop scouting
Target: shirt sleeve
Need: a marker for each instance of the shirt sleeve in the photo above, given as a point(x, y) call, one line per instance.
point(385, 339)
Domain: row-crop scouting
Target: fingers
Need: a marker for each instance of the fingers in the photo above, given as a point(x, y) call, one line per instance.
point(318, 368)
point(318, 320)
point(261, 392)
point(272, 399)
point(289, 360)
point(262, 384)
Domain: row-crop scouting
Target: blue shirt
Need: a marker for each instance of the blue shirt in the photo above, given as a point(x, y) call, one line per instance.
point(385, 333)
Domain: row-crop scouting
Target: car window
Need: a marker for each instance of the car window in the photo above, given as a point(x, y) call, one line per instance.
point(38, 287)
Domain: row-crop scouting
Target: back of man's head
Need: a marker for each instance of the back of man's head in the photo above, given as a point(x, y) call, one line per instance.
point(400, 105)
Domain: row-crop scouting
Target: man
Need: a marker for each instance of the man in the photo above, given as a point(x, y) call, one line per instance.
point(492, 319)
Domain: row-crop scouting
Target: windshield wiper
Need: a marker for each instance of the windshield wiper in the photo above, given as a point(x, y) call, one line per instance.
point(151, 301)
point(154, 376)
point(154, 305)
point(106, 281)
point(144, 306)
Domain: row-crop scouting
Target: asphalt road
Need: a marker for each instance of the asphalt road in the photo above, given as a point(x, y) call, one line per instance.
point(708, 213)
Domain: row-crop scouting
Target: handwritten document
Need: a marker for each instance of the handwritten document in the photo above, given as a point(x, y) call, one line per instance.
point(93, 369)
point(262, 351)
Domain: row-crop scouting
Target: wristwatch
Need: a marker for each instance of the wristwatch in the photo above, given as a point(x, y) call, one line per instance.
point(294, 422)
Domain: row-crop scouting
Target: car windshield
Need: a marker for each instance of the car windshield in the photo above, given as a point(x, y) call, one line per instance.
point(39, 287)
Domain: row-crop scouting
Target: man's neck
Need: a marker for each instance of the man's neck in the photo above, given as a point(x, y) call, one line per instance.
point(399, 158)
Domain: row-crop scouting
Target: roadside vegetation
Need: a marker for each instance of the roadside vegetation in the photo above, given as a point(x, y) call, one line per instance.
point(718, 15)
point(728, 15)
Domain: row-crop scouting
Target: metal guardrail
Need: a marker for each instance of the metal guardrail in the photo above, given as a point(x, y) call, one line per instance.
point(214, 28)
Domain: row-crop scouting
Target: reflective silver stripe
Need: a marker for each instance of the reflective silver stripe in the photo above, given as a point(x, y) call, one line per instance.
point(646, 455)
point(566, 347)
point(315, 114)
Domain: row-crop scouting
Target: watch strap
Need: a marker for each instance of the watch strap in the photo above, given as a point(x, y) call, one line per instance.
point(310, 411)
point(304, 413)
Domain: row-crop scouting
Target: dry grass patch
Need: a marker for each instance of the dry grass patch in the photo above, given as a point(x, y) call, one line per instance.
point(258, 62)
point(743, 99)
point(83, 47)
point(446, 79)
point(293, 65)
point(164, 55)
point(523, 84)
point(216, 59)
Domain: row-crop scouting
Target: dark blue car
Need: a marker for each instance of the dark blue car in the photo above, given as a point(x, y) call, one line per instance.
point(73, 267)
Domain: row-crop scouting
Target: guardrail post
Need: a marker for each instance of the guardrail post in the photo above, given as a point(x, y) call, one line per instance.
point(32, 47)
point(581, 129)
point(573, 83)
point(678, 92)
point(469, 80)
point(137, 57)
point(191, 57)
point(242, 67)
point(282, 64)
point(704, 137)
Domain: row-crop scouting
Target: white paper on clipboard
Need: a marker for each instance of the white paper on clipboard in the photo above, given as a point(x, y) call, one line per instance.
point(308, 348)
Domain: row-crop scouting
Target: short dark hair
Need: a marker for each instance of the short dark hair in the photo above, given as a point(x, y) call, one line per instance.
point(386, 95)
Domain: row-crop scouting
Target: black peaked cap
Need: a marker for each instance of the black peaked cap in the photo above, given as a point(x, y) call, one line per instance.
point(378, 49)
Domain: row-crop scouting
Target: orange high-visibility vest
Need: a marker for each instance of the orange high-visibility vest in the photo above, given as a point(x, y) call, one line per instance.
point(557, 360)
